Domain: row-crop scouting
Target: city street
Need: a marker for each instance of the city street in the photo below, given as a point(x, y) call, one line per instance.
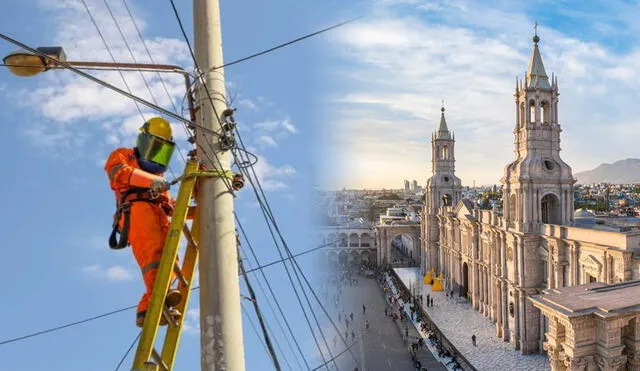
point(381, 346)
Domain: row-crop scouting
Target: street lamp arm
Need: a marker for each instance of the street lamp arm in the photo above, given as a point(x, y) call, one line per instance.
point(53, 62)
point(121, 66)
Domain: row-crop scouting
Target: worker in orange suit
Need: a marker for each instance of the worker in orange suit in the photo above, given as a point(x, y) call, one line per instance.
point(144, 204)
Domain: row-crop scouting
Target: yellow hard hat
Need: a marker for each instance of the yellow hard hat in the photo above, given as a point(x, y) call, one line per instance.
point(159, 127)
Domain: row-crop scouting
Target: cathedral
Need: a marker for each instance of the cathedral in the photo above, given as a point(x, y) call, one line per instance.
point(498, 259)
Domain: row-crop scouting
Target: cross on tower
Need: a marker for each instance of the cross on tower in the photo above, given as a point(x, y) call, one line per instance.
point(535, 28)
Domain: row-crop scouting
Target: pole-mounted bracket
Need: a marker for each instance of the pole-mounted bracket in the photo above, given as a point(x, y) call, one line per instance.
point(237, 180)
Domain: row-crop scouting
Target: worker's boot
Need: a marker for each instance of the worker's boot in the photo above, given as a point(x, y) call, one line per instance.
point(174, 297)
point(163, 322)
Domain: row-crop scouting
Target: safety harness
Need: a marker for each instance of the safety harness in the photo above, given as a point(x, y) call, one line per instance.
point(124, 206)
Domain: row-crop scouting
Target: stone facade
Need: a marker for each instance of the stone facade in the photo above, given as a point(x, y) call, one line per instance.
point(349, 245)
point(499, 259)
point(592, 327)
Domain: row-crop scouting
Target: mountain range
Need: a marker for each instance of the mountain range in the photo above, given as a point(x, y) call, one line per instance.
point(620, 172)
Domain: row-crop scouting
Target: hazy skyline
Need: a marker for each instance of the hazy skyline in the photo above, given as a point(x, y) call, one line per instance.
point(396, 65)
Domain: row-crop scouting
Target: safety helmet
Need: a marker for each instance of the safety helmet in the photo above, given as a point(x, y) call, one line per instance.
point(155, 145)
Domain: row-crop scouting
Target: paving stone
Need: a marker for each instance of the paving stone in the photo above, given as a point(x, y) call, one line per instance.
point(458, 321)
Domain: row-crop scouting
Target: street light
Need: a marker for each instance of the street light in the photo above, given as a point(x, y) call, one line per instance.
point(26, 64)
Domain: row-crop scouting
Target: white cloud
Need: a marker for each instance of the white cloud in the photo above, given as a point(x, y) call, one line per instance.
point(248, 103)
point(276, 125)
point(272, 177)
point(267, 141)
point(69, 103)
point(191, 322)
point(389, 96)
point(114, 273)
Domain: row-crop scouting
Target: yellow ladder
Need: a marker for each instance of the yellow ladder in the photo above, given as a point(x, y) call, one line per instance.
point(146, 351)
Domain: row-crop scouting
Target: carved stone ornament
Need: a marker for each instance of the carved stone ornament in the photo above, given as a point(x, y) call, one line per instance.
point(510, 253)
point(576, 364)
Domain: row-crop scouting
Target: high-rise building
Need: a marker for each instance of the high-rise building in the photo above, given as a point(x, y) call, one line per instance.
point(406, 186)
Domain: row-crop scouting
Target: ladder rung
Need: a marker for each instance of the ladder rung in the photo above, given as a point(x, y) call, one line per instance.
point(156, 357)
point(180, 276)
point(187, 234)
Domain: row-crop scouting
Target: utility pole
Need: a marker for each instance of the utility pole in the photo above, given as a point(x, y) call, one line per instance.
point(220, 321)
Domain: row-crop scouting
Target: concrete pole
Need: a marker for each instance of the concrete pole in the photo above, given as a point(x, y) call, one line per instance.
point(220, 318)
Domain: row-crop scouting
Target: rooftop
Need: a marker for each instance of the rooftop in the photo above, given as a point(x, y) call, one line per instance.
point(594, 298)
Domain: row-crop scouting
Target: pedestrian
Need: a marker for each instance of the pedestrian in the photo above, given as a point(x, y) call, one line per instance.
point(144, 205)
point(351, 316)
point(366, 323)
point(473, 339)
point(339, 317)
point(386, 312)
point(364, 309)
point(406, 332)
point(432, 302)
point(353, 336)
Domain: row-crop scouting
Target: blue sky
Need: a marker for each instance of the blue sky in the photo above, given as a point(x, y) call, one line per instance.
point(58, 130)
point(386, 77)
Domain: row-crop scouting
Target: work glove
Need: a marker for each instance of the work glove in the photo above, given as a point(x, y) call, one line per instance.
point(159, 185)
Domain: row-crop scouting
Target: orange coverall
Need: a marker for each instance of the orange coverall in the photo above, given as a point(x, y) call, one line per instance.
point(148, 223)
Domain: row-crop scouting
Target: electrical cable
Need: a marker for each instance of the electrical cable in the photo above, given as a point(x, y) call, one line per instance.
point(278, 322)
point(253, 327)
point(271, 291)
point(285, 44)
point(256, 307)
point(104, 41)
point(337, 355)
point(42, 332)
point(144, 79)
point(266, 210)
point(128, 351)
point(255, 188)
point(107, 85)
point(164, 85)
point(200, 77)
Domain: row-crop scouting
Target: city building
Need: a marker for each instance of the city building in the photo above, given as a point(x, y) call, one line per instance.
point(500, 258)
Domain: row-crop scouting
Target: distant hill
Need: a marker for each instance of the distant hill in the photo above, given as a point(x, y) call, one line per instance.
point(620, 172)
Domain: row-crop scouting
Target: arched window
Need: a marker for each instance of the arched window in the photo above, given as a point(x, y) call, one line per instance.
point(445, 153)
point(544, 112)
point(532, 111)
point(550, 209)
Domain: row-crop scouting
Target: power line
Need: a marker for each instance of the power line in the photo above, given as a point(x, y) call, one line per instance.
point(256, 307)
point(268, 215)
point(42, 332)
point(204, 86)
point(144, 79)
point(249, 177)
point(67, 325)
point(104, 41)
point(348, 348)
point(286, 44)
point(293, 336)
point(107, 85)
point(128, 351)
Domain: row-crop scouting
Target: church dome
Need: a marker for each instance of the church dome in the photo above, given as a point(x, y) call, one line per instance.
point(583, 213)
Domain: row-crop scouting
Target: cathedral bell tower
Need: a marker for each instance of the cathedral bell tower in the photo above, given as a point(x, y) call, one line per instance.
point(443, 189)
point(538, 184)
